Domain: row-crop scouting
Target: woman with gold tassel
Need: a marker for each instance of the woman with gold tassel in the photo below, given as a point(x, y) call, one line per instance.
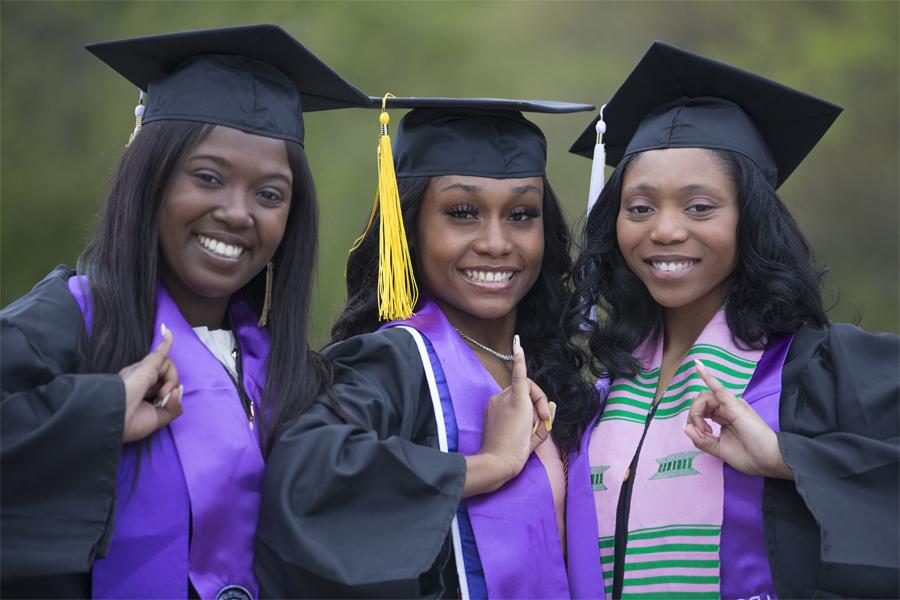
point(439, 468)
point(135, 475)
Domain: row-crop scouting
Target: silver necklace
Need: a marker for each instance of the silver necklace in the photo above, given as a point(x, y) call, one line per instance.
point(500, 355)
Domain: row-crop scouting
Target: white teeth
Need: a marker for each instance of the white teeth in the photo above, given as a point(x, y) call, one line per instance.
point(219, 247)
point(672, 266)
point(489, 276)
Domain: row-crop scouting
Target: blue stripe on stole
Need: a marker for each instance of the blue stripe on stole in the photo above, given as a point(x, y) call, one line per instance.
point(474, 571)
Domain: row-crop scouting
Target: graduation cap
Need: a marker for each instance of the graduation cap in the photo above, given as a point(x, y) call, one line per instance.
point(256, 78)
point(480, 137)
point(677, 99)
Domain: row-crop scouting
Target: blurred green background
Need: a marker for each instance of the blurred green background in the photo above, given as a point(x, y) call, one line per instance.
point(64, 116)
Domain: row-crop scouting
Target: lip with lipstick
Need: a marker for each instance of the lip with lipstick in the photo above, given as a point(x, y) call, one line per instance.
point(671, 267)
point(231, 249)
point(497, 278)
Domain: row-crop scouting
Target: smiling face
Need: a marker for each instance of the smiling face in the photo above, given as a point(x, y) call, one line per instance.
point(480, 245)
point(677, 226)
point(222, 218)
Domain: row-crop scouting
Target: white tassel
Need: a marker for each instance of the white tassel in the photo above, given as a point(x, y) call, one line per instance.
point(598, 174)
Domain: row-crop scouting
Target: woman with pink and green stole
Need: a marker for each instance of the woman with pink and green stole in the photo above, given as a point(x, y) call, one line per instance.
point(746, 447)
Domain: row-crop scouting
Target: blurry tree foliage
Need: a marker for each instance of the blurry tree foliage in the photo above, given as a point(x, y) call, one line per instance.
point(64, 116)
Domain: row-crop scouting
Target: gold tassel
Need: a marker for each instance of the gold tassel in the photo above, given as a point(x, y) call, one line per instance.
point(267, 303)
point(397, 290)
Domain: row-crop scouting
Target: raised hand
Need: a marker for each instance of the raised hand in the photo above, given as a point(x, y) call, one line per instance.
point(516, 421)
point(745, 441)
point(152, 392)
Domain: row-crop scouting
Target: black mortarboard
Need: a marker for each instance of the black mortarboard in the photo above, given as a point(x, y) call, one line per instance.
point(256, 78)
point(478, 137)
point(677, 99)
point(482, 137)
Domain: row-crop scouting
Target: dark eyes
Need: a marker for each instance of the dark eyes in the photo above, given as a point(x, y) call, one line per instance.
point(699, 208)
point(211, 180)
point(462, 211)
point(207, 178)
point(469, 212)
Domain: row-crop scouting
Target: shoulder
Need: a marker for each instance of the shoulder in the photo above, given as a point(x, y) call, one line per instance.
point(842, 377)
point(41, 330)
point(388, 345)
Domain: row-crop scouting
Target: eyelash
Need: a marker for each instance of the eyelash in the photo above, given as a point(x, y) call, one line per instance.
point(467, 211)
point(462, 211)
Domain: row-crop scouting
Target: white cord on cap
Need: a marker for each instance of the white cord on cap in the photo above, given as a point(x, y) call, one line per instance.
point(598, 175)
point(138, 117)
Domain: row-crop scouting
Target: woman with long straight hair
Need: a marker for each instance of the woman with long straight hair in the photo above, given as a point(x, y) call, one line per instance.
point(140, 392)
point(746, 446)
point(417, 478)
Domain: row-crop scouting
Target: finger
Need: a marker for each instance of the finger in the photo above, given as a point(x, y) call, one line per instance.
point(539, 401)
point(549, 422)
point(156, 358)
point(711, 382)
point(167, 411)
point(706, 443)
point(703, 406)
point(519, 370)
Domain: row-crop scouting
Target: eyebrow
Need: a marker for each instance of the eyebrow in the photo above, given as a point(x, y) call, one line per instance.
point(647, 188)
point(472, 189)
point(226, 164)
point(524, 189)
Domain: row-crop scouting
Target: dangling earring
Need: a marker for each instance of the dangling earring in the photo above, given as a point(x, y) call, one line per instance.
point(138, 117)
point(267, 303)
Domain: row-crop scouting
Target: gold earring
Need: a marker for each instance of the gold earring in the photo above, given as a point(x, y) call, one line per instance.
point(267, 303)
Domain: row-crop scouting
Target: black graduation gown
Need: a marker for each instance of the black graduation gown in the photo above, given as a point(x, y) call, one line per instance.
point(319, 535)
point(834, 531)
point(59, 450)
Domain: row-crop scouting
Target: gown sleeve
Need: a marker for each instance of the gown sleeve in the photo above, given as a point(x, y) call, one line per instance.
point(357, 499)
point(61, 440)
point(839, 435)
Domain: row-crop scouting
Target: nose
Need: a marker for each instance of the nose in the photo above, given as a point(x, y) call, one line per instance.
point(668, 228)
point(493, 238)
point(234, 209)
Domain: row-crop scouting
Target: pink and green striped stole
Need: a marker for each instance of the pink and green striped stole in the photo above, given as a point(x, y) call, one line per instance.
point(676, 514)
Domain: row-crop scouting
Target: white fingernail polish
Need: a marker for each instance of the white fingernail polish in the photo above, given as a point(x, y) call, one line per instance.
point(162, 403)
point(181, 391)
point(162, 329)
point(516, 345)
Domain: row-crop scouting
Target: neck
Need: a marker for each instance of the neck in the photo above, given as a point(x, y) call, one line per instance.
point(495, 333)
point(198, 311)
point(684, 324)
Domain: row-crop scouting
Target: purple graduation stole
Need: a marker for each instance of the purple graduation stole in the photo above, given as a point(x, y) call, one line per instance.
point(515, 526)
point(190, 514)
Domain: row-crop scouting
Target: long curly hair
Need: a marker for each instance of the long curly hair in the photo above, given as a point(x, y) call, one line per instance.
point(554, 362)
point(774, 288)
point(122, 264)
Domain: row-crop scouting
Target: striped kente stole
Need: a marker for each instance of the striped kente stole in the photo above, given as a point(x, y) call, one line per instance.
point(675, 520)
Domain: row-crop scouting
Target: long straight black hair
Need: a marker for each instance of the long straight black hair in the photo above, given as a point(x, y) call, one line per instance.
point(554, 362)
point(121, 263)
point(774, 288)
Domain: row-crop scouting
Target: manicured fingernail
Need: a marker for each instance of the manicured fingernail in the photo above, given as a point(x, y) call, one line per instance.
point(699, 365)
point(162, 403)
point(181, 391)
point(549, 422)
point(534, 429)
point(516, 346)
